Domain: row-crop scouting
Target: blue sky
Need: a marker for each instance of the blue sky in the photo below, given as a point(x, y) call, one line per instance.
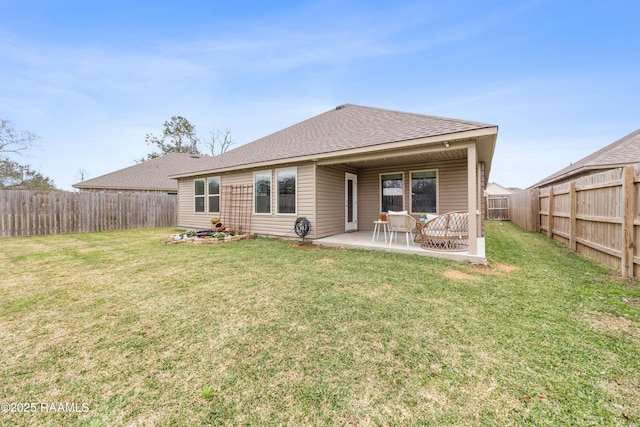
point(560, 78)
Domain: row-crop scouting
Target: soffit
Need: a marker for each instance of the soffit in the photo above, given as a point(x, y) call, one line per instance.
point(400, 159)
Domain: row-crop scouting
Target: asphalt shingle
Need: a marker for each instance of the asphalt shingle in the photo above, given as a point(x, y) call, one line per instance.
point(151, 175)
point(345, 127)
point(624, 151)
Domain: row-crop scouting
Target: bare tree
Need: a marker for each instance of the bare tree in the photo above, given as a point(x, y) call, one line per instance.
point(82, 174)
point(219, 141)
point(13, 175)
point(15, 142)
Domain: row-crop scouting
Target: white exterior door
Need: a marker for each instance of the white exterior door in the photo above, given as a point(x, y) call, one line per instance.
point(350, 202)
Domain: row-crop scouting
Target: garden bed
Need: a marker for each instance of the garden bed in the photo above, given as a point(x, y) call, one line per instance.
point(208, 237)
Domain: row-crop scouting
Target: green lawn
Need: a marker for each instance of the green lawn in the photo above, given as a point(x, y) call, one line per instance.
point(135, 332)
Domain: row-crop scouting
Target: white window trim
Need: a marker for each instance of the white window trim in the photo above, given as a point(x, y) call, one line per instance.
point(270, 171)
point(437, 190)
point(204, 196)
point(380, 187)
point(219, 194)
point(295, 169)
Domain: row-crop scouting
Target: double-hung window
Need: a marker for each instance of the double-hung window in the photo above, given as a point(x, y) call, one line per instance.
point(199, 191)
point(286, 179)
point(213, 191)
point(207, 194)
point(392, 191)
point(424, 192)
point(262, 192)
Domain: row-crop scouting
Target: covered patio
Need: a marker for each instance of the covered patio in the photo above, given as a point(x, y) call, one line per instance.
point(436, 175)
point(363, 240)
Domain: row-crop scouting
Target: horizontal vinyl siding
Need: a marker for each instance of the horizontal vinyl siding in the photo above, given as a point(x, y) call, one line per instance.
point(452, 191)
point(368, 195)
point(306, 197)
point(280, 225)
point(187, 217)
point(330, 192)
point(452, 188)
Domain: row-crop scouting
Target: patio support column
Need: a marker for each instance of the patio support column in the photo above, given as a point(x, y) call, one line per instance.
point(472, 199)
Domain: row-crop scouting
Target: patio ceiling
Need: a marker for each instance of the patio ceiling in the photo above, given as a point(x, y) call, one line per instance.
point(419, 151)
point(403, 159)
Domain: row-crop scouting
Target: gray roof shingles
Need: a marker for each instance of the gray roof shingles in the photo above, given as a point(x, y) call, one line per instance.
point(345, 127)
point(149, 175)
point(624, 151)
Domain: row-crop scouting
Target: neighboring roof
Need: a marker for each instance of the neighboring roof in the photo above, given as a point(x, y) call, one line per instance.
point(494, 189)
point(150, 175)
point(622, 152)
point(343, 128)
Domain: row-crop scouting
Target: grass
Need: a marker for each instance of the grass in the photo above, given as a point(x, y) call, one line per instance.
point(267, 332)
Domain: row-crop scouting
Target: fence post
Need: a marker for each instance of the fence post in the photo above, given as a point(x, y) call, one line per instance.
point(572, 215)
point(550, 220)
point(534, 207)
point(628, 207)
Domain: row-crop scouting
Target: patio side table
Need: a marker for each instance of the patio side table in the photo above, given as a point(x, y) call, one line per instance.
point(376, 230)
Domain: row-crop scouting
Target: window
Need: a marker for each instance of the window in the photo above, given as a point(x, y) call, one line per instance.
point(208, 189)
point(262, 192)
point(199, 195)
point(392, 192)
point(286, 179)
point(424, 192)
point(214, 194)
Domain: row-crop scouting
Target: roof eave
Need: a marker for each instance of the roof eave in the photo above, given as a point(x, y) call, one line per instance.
point(106, 187)
point(470, 134)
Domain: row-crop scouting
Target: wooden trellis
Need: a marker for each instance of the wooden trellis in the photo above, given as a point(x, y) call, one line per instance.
point(237, 207)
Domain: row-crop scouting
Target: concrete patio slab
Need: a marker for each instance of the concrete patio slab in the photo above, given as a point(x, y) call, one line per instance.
point(362, 240)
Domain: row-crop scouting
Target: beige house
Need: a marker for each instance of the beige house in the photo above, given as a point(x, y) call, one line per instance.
point(494, 189)
point(343, 168)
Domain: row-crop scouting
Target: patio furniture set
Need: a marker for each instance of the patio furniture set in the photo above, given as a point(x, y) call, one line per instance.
point(446, 232)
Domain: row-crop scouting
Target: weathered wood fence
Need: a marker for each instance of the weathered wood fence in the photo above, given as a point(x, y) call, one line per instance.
point(596, 215)
point(524, 209)
point(26, 213)
point(498, 207)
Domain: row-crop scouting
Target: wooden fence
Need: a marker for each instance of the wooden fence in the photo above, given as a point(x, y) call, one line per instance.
point(498, 207)
point(524, 209)
point(596, 215)
point(26, 213)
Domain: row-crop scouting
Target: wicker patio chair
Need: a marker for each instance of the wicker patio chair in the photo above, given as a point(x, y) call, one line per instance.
point(446, 232)
point(400, 222)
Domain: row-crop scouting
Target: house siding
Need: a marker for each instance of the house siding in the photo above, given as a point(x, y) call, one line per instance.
point(326, 183)
point(273, 224)
point(452, 188)
point(330, 208)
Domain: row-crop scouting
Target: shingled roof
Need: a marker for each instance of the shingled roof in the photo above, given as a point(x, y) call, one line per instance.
point(624, 151)
point(151, 175)
point(343, 128)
